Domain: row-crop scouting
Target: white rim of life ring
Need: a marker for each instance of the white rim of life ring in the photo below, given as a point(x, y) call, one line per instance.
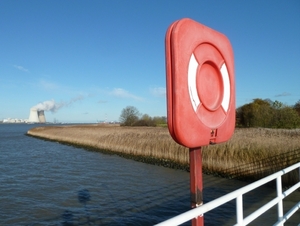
point(209, 97)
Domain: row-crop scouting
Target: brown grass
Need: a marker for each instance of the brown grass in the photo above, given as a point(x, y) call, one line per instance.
point(251, 153)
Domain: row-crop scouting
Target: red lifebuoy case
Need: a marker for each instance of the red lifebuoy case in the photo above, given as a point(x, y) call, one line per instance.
point(200, 84)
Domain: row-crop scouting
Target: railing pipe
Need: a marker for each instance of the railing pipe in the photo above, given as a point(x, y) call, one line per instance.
point(238, 195)
point(291, 190)
point(260, 211)
point(288, 215)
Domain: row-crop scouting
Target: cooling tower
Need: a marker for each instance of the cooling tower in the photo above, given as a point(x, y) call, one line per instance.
point(41, 116)
point(33, 115)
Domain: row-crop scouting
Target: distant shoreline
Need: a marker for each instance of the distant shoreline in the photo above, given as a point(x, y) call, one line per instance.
point(250, 154)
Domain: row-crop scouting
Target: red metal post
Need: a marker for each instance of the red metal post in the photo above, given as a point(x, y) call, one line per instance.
point(196, 182)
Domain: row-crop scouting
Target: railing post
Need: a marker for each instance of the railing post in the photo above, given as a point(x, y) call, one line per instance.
point(279, 193)
point(239, 210)
point(196, 185)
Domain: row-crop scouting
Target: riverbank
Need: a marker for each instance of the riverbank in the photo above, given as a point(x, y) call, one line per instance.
point(250, 154)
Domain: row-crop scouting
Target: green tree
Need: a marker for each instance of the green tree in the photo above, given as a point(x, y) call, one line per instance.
point(277, 105)
point(160, 120)
point(246, 115)
point(297, 107)
point(265, 113)
point(256, 114)
point(286, 117)
point(145, 120)
point(129, 116)
point(146, 117)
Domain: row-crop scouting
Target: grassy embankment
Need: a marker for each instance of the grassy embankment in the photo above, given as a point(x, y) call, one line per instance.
point(250, 154)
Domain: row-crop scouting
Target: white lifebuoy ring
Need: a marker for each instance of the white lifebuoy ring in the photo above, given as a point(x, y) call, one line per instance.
point(214, 114)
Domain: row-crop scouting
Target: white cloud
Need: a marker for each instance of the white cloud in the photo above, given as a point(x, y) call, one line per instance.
point(158, 91)
point(21, 68)
point(102, 102)
point(77, 98)
point(283, 94)
point(48, 85)
point(122, 93)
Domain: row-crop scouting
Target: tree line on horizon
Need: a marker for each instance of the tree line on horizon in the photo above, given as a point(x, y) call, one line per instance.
point(258, 113)
point(268, 114)
point(130, 116)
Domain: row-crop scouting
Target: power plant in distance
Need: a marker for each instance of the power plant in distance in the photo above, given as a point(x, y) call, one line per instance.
point(36, 116)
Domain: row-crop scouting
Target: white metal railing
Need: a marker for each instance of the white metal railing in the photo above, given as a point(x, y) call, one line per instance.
point(238, 195)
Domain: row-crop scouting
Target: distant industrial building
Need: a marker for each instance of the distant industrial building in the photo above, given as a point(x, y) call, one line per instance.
point(36, 116)
point(14, 120)
point(41, 116)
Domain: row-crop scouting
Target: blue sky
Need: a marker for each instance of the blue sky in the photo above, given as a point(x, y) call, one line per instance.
point(91, 59)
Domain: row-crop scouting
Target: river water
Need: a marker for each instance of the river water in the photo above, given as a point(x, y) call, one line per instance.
point(47, 183)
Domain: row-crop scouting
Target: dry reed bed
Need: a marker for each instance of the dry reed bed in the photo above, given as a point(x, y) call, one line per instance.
point(249, 149)
point(152, 142)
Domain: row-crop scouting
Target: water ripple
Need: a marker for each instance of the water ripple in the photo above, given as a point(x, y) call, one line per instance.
point(46, 183)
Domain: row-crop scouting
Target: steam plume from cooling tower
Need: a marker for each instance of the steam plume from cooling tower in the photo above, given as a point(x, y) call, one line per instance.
point(51, 105)
point(37, 112)
point(48, 105)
